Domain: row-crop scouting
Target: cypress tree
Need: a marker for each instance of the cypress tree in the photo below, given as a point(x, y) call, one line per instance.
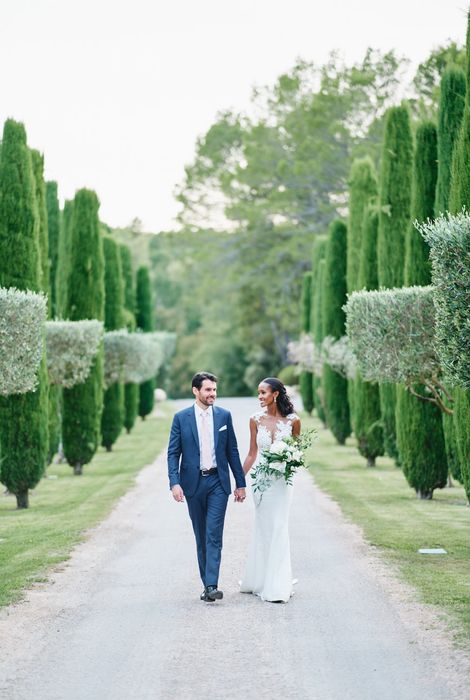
point(394, 219)
point(131, 390)
point(458, 198)
point(53, 229)
point(334, 297)
point(144, 319)
point(113, 400)
point(362, 189)
point(318, 253)
point(42, 203)
point(63, 260)
point(367, 415)
point(317, 328)
point(451, 106)
point(305, 379)
point(420, 437)
point(23, 417)
point(83, 403)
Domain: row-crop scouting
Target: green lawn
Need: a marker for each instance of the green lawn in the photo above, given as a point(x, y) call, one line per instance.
point(64, 506)
point(398, 524)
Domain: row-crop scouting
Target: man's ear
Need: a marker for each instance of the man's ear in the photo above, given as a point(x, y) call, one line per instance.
point(194, 390)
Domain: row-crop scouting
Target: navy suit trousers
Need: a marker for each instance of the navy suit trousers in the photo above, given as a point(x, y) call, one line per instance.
point(207, 508)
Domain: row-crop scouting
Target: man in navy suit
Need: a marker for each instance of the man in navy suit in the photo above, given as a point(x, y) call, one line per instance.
point(201, 448)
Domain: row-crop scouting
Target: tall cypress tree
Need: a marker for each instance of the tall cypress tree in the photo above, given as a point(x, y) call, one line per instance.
point(305, 379)
point(317, 329)
point(113, 401)
point(53, 230)
point(64, 248)
point(460, 197)
point(335, 386)
point(42, 203)
point(367, 414)
point(144, 319)
point(83, 403)
point(420, 437)
point(23, 417)
point(394, 219)
point(131, 390)
point(451, 107)
point(362, 190)
point(318, 254)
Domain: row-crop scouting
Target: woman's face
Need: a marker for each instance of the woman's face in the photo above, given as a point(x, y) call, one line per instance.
point(266, 395)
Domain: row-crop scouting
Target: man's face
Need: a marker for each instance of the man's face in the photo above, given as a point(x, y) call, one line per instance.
point(206, 395)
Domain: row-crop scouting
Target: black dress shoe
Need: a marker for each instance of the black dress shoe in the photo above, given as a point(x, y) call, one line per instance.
point(205, 597)
point(213, 593)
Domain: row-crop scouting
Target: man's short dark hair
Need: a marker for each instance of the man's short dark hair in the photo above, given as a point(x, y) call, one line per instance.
point(199, 377)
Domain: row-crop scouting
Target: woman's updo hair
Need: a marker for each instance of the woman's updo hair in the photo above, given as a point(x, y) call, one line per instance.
point(283, 401)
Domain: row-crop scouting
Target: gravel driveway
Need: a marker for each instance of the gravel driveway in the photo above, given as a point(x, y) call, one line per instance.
point(122, 620)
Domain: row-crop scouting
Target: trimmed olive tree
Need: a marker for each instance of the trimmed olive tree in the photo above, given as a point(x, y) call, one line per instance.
point(394, 220)
point(83, 403)
point(23, 417)
point(113, 400)
point(131, 389)
point(392, 335)
point(335, 386)
point(305, 377)
point(144, 319)
point(449, 240)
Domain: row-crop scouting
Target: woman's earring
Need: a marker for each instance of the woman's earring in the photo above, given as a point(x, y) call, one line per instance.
point(275, 399)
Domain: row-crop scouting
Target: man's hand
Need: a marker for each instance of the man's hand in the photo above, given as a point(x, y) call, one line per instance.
point(177, 492)
point(240, 495)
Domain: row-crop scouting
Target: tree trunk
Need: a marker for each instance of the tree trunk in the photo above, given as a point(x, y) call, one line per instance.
point(78, 469)
point(371, 461)
point(109, 448)
point(425, 495)
point(22, 499)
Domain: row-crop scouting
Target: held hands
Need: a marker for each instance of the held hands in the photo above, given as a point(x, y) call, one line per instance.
point(240, 495)
point(177, 492)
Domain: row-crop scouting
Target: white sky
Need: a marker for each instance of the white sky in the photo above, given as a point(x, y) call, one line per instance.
point(115, 92)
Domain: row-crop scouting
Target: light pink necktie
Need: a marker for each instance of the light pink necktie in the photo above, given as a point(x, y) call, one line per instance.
point(206, 441)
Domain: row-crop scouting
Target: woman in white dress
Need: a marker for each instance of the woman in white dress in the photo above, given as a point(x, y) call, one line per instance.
point(268, 571)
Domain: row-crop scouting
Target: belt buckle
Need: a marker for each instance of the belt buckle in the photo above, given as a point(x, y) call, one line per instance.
point(204, 472)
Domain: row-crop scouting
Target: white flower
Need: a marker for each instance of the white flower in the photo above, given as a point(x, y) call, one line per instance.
point(297, 456)
point(278, 447)
point(279, 466)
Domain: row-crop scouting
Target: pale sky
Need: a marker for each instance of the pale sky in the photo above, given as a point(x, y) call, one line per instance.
point(115, 92)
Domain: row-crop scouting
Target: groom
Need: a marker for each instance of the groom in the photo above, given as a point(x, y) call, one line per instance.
point(202, 446)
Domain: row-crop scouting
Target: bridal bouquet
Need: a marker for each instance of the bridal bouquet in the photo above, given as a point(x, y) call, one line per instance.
point(281, 460)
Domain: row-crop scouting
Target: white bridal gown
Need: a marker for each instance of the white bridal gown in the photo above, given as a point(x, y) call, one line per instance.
point(268, 571)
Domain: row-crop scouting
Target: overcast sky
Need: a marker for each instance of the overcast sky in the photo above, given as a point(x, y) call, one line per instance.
point(115, 92)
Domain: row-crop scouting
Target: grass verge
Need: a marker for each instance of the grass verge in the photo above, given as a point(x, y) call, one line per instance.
point(380, 501)
point(63, 506)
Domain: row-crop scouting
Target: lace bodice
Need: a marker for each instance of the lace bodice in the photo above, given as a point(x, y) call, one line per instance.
point(266, 435)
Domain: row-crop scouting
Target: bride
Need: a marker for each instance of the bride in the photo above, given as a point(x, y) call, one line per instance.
point(268, 571)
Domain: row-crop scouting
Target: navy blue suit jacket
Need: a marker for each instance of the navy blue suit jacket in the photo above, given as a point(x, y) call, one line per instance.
point(184, 456)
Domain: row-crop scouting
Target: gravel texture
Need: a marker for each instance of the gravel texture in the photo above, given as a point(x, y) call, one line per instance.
point(122, 618)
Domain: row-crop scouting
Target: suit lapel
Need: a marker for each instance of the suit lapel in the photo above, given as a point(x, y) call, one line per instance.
point(216, 417)
point(192, 422)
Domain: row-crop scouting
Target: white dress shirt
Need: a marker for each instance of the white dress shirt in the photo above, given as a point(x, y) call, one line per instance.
point(210, 420)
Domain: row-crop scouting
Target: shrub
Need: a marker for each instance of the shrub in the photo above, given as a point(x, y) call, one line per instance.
point(22, 317)
point(71, 348)
point(392, 336)
point(449, 240)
